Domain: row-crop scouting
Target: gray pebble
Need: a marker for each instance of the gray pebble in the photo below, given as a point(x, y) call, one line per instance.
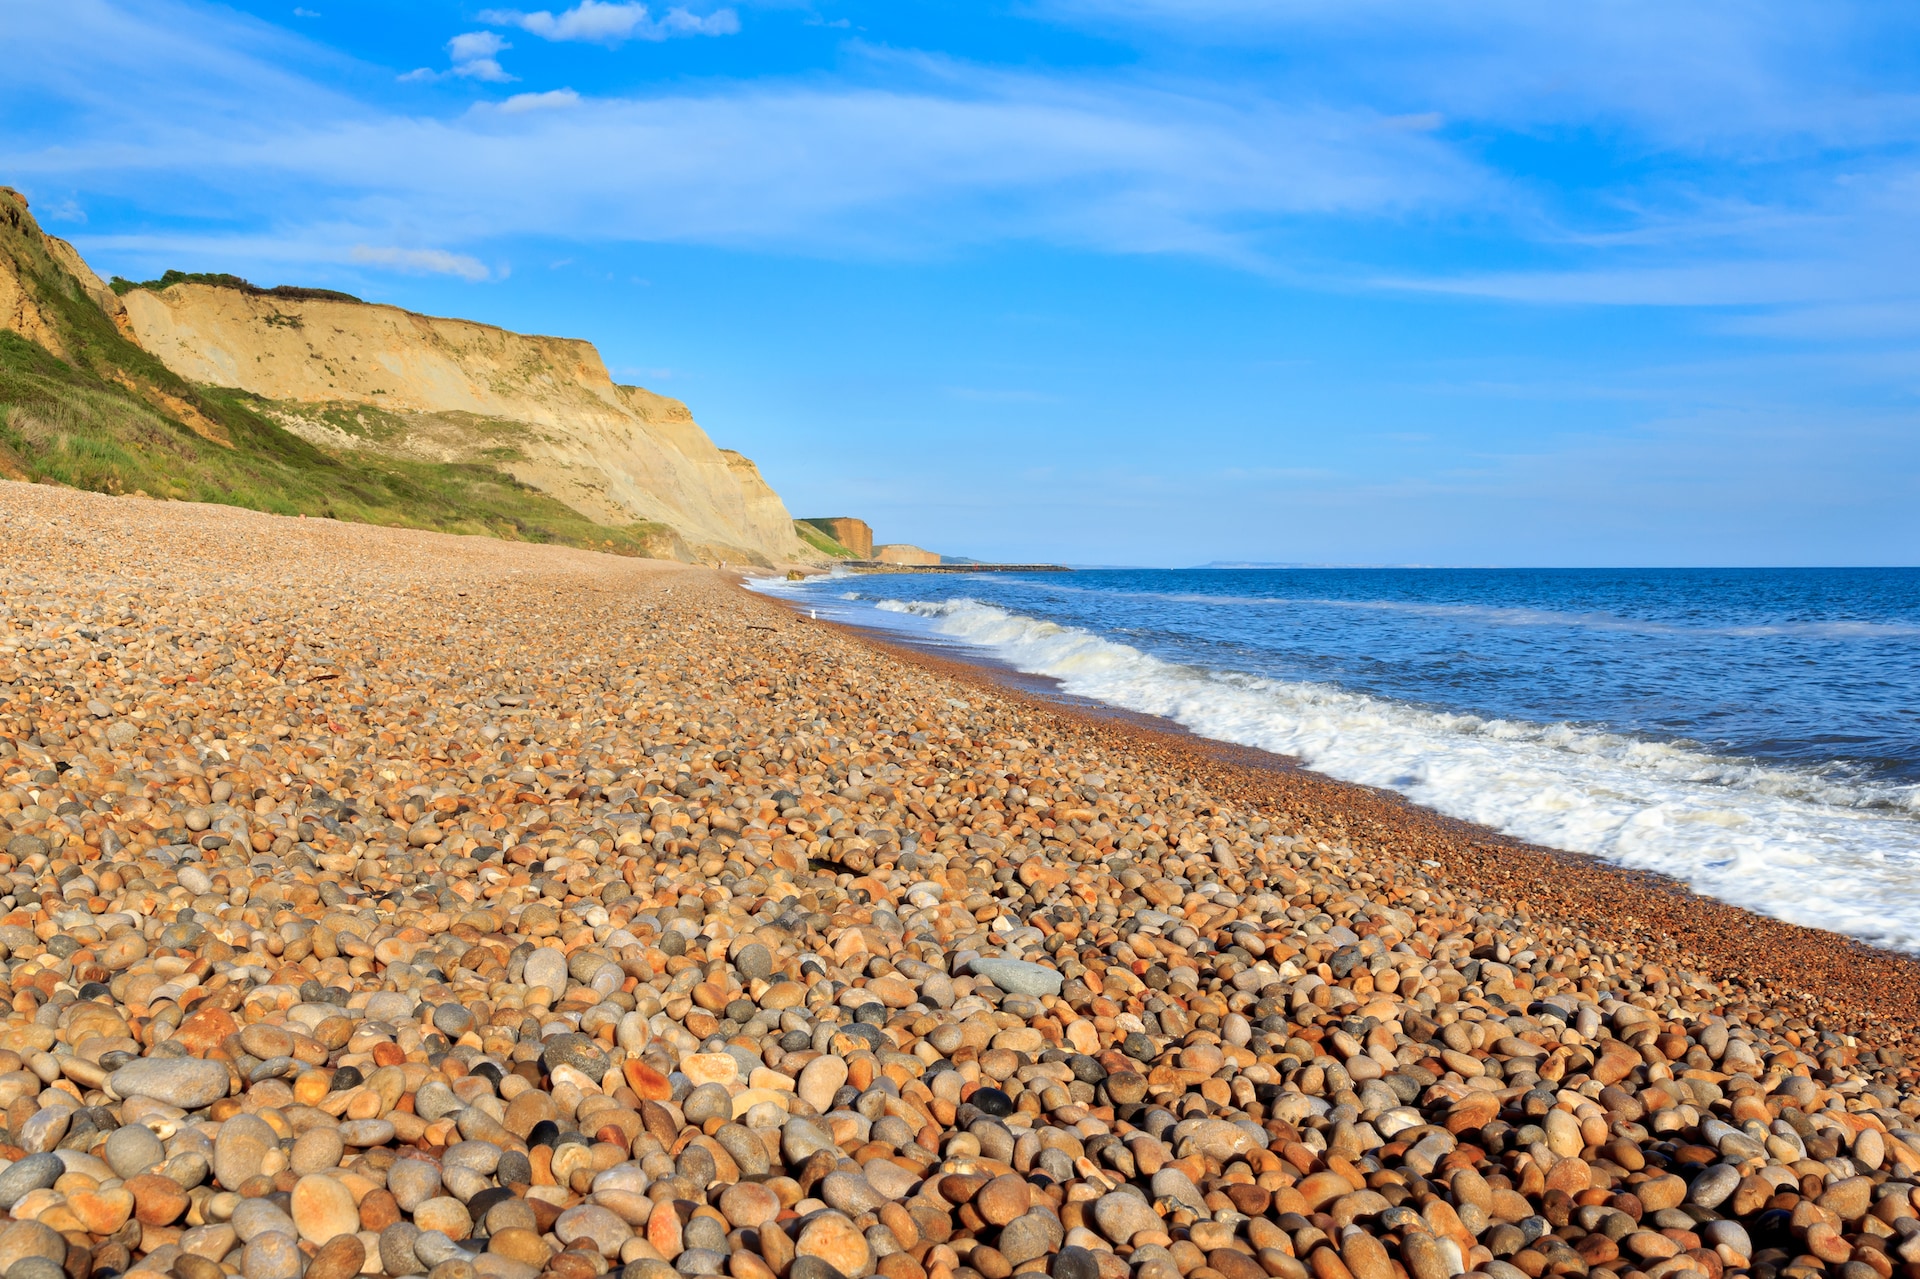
point(412, 1182)
point(1018, 977)
point(397, 1256)
point(35, 1172)
point(255, 1217)
point(36, 1268)
point(187, 1082)
point(753, 961)
point(434, 1247)
point(132, 1150)
point(578, 1051)
point(481, 1156)
point(272, 1256)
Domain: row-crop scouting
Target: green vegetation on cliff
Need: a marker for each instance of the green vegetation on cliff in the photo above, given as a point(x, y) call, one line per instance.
point(822, 541)
point(220, 279)
point(85, 407)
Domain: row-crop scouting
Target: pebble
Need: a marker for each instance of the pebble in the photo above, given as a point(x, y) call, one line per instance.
point(132, 1150)
point(1018, 977)
point(1002, 1199)
point(323, 1208)
point(24, 1239)
point(184, 1082)
point(819, 1080)
point(272, 1256)
point(754, 962)
point(668, 962)
point(547, 966)
point(157, 1200)
point(850, 1193)
point(835, 1240)
point(412, 1182)
point(593, 1226)
point(340, 1258)
point(317, 1150)
point(240, 1151)
point(435, 1248)
point(748, 1205)
point(36, 1268)
point(34, 1172)
point(443, 1215)
point(1122, 1215)
point(397, 1256)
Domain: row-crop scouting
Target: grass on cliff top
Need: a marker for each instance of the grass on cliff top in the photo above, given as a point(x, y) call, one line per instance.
point(60, 424)
point(220, 279)
point(813, 535)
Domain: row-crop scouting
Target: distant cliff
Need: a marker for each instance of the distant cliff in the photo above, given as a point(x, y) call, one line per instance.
point(365, 394)
point(843, 534)
point(905, 553)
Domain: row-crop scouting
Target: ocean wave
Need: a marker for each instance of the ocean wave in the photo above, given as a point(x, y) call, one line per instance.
point(1518, 615)
point(1805, 845)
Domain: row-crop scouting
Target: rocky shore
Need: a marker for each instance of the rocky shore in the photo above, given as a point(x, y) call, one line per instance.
point(389, 903)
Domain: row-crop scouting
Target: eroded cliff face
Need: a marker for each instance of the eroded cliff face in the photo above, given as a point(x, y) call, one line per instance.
point(25, 309)
point(366, 376)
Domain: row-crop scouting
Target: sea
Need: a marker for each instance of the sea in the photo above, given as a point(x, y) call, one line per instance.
point(1754, 733)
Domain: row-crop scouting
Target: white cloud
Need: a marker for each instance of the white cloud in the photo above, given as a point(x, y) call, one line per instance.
point(473, 59)
point(476, 44)
point(949, 154)
point(899, 153)
point(428, 261)
point(473, 56)
point(594, 22)
point(483, 69)
point(551, 100)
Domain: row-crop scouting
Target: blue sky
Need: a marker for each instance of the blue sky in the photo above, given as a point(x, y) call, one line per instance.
point(1110, 281)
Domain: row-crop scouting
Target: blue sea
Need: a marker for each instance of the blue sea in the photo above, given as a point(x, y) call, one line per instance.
point(1752, 732)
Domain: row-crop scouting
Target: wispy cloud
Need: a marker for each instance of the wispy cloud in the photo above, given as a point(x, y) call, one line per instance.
point(1765, 165)
point(551, 100)
point(942, 154)
point(427, 261)
point(60, 211)
point(1711, 75)
point(593, 22)
point(474, 55)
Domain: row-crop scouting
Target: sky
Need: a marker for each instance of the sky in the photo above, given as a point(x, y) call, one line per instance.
point(1098, 281)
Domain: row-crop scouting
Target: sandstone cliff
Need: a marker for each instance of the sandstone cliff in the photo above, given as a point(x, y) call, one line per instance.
point(84, 405)
point(850, 532)
point(905, 553)
point(357, 376)
point(24, 309)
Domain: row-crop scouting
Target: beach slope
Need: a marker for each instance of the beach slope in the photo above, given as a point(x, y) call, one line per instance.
point(388, 902)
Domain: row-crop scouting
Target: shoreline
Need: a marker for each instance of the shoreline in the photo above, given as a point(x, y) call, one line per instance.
point(1639, 907)
point(487, 910)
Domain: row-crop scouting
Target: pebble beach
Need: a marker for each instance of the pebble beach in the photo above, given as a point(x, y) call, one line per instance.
point(377, 902)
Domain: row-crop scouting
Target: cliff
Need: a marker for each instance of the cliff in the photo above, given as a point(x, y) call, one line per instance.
point(905, 553)
point(377, 390)
point(846, 531)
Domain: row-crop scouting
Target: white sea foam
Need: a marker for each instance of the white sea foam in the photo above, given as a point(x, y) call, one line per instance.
point(1513, 615)
point(1794, 844)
